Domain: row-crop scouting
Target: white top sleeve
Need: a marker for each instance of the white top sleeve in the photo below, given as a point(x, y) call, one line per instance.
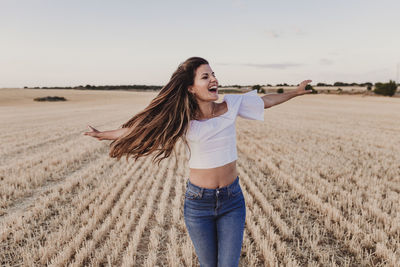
point(251, 106)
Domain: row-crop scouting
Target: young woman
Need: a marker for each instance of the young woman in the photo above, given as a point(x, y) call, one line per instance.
point(185, 108)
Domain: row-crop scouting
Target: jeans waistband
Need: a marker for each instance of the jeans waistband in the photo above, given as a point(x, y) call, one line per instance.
point(201, 190)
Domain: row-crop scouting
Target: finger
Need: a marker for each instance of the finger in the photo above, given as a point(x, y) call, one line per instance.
point(94, 129)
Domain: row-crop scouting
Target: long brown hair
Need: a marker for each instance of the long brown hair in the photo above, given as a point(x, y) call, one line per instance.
point(166, 119)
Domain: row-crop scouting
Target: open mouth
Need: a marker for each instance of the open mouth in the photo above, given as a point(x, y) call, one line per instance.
point(213, 89)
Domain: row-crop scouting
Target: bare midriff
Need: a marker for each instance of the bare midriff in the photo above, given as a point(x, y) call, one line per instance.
point(215, 177)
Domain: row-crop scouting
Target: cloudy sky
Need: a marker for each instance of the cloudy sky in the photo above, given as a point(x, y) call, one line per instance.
point(70, 43)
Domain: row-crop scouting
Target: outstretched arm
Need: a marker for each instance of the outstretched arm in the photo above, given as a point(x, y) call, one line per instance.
point(106, 135)
point(275, 99)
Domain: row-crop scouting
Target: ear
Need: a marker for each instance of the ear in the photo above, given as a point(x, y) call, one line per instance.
point(190, 89)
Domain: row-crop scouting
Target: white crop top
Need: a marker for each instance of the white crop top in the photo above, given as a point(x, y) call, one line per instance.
point(212, 142)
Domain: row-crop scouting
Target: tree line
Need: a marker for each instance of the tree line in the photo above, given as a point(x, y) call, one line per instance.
point(103, 87)
point(388, 89)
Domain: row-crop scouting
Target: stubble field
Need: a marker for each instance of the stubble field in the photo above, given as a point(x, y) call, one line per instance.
point(320, 177)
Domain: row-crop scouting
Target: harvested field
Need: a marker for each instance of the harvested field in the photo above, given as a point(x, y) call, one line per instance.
point(320, 177)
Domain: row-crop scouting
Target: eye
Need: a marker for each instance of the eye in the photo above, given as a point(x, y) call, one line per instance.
point(205, 77)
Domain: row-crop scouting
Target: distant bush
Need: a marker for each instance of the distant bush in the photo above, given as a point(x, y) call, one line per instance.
point(280, 91)
point(340, 90)
point(387, 89)
point(369, 87)
point(50, 98)
point(309, 87)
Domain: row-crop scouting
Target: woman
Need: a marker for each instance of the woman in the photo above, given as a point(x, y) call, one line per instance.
point(214, 206)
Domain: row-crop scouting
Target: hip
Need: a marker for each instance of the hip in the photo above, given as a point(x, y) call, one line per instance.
point(212, 203)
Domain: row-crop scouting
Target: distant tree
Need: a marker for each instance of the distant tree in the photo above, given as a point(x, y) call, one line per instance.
point(387, 89)
point(365, 84)
point(25, 87)
point(322, 84)
point(369, 87)
point(259, 89)
point(340, 84)
point(280, 91)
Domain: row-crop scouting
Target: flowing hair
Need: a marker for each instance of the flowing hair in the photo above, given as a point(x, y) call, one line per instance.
point(166, 119)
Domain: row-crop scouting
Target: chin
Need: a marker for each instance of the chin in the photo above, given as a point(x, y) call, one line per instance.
point(215, 94)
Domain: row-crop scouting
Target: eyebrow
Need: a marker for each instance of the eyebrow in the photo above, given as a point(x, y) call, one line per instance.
point(207, 73)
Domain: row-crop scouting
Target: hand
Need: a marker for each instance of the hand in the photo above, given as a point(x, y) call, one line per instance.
point(94, 133)
point(301, 88)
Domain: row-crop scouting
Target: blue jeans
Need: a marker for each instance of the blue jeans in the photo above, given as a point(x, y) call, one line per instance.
point(215, 220)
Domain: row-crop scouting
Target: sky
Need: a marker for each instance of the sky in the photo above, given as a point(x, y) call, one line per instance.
point(72, 43)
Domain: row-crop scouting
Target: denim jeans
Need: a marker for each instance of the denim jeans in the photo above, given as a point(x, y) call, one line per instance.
point(215, 220)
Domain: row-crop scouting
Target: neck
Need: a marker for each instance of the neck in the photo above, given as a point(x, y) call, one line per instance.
point(206, 109)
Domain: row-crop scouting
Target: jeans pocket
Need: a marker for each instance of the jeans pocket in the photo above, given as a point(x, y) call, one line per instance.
point(191, 195)
point(236, 191)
